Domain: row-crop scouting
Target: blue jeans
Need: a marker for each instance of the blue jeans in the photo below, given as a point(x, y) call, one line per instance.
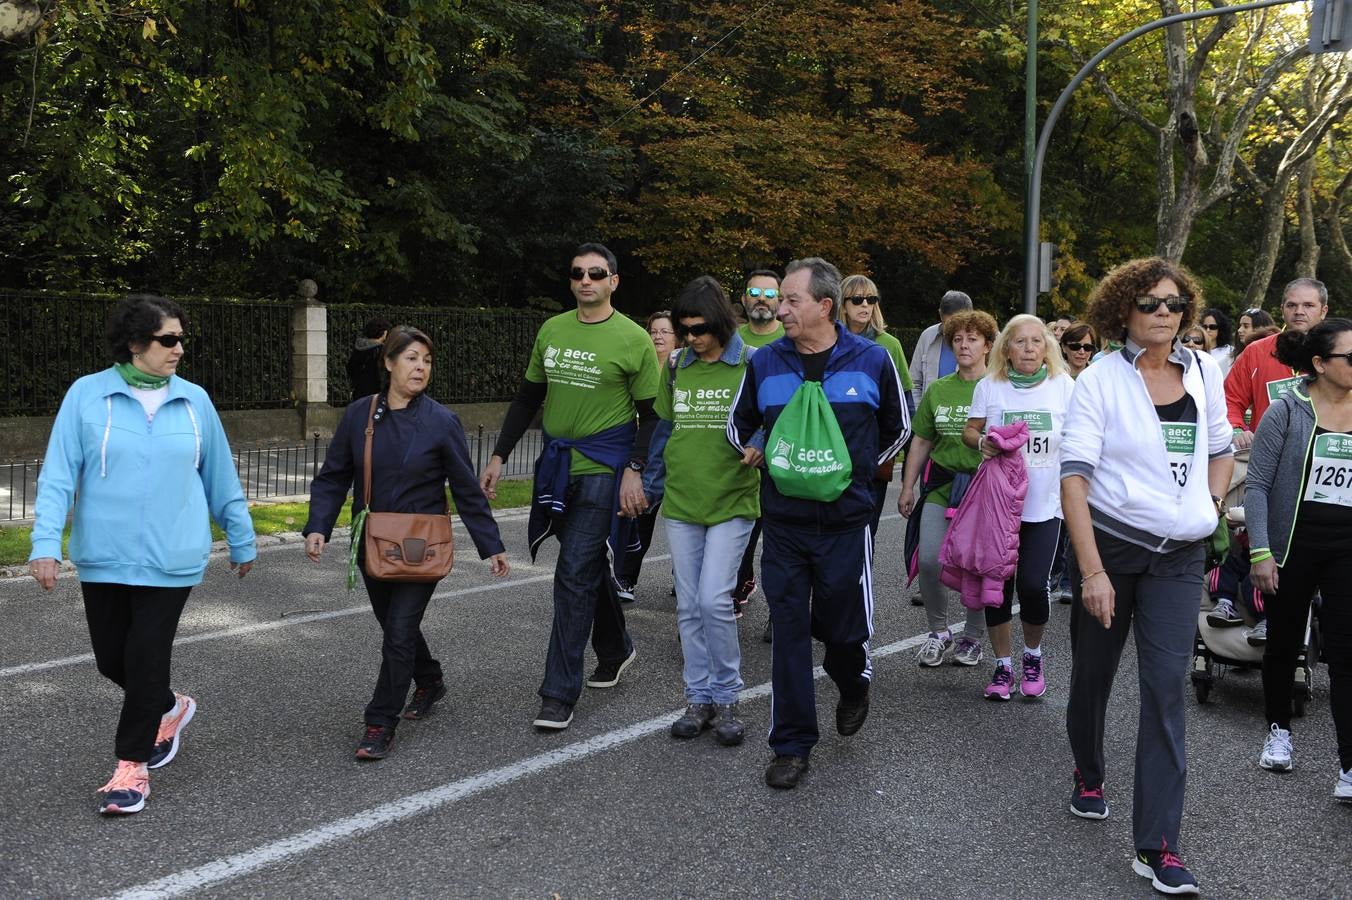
point(706, 561)
point(583, 600)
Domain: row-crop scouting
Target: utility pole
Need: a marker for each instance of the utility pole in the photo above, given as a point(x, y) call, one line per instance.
point(1030, 226)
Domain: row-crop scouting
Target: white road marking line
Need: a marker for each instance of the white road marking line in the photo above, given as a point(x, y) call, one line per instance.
point(239, 865)
point(255, 628)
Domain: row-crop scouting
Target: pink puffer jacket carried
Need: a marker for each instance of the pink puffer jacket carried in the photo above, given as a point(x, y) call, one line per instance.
point(981, 550)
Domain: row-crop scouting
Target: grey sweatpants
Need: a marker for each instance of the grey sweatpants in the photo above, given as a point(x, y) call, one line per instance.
point(933, 526)
point(1161, 595)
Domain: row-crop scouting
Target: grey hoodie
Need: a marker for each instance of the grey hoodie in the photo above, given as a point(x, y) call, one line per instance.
point(1276, 476)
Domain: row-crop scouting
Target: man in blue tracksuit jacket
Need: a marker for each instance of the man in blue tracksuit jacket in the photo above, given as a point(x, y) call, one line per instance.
point(817, 559)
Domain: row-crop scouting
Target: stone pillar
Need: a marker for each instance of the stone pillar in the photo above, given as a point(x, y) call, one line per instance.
point(310, 361)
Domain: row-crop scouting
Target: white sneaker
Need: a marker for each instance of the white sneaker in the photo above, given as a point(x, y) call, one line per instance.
point(934, 650)
point(968, 653)
point(1343, 789)
point(1277, 753)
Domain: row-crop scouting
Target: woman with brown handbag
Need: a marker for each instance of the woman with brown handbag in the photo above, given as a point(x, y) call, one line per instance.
point(398, 450)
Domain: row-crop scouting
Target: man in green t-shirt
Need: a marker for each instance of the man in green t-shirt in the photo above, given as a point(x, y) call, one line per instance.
point(594, 372)
point(760, 299)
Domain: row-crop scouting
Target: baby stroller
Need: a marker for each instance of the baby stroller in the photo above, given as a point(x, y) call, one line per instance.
point(1215, 646)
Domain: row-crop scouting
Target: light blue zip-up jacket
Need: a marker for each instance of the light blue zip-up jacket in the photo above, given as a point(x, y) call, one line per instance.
point(144, 492)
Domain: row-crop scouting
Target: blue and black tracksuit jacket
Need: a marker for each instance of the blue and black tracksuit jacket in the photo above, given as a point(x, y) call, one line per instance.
point(862, 385)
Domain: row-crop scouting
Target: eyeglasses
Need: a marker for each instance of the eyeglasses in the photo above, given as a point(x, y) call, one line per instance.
point(1148, 304)
point(656, 331)
point(1078, 348)
point(861, 300)
point(595, 273)
point(767, 293)
point(1193, 339)
point(1212, 327)
point(170, 340)
point(1345, 357)
point(699, 329)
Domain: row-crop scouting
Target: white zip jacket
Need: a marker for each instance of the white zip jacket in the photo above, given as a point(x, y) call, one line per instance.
point(1114, 439)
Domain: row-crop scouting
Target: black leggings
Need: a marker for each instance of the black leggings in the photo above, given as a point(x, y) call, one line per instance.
point(747, 571)
point(1320, 563)
point(132, 631)
point(1037, 553)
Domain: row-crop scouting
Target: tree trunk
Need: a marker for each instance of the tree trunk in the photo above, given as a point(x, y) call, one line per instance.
point(1308, 263)
point(1265, 259)
point(1333, 218)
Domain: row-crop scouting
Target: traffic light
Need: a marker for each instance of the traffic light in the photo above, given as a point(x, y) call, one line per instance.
point(1329, 26)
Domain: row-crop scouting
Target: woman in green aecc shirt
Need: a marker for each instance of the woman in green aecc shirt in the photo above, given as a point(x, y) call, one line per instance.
point(712, 501)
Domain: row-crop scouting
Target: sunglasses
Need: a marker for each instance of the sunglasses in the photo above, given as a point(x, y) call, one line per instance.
point(1148, 304)
point(1078, 348)
point(1199, 341)
point(170, 340)
point(1345, 357)
point(595, 273)
point(767, 293)
point(699, 329)
point(1212, 327)
point(861, 300)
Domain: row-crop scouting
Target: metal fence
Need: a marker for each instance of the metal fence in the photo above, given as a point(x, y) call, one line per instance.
point(481, 353)
point(239, 351)
point(270, 472)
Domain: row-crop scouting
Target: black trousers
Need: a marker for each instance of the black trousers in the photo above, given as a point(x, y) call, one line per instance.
point(132, 631)
point(1322, 563)
point(404, 658)
point(631, 565)
point(747, 571)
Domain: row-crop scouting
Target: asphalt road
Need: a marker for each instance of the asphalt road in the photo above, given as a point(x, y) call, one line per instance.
point(942, 794)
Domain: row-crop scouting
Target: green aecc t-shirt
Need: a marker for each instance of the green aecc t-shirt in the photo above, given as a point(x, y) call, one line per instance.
point(706, 482)
point(751, 339)
point(594, 373)
point(943, 413)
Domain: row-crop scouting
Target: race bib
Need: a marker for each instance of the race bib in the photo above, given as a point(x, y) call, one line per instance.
point(1040, 451)
point(1281, 387)
point(1331, 470)
point(1180, 440)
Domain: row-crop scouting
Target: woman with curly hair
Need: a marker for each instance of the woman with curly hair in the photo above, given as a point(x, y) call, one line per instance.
point(1140, 503)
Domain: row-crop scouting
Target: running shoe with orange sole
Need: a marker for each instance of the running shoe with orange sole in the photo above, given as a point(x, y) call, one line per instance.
point(171, 730)
point(127, 791)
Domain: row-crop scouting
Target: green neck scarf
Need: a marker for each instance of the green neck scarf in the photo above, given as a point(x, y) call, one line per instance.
point(1020, 380)
point(138, 379)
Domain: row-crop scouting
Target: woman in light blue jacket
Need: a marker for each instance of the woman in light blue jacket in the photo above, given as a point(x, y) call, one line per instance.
point(143, 455)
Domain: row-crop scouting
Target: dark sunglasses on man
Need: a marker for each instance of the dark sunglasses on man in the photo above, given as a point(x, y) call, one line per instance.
point(861, 299)
point(595, 273)
point(170, 340)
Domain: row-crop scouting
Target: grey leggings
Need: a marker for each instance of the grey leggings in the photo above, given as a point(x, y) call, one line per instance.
point(933, 526)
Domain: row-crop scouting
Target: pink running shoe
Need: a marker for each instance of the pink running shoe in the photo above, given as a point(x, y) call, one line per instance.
point(1001, 683)
point(171, 729)
point(1032, 686)
point(127, 790)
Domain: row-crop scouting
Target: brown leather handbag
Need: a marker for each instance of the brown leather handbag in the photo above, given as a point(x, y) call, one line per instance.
point(403, 546)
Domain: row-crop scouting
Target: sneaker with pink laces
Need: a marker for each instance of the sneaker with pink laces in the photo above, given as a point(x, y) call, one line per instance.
point(171, 729)
point(1032, 684)
point(1001, 683)
point(127, 790)
point(1165, 870)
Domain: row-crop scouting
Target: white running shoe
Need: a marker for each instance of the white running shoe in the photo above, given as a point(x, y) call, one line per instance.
point(1277, 753)
point(1343, 789)
point(934, 650)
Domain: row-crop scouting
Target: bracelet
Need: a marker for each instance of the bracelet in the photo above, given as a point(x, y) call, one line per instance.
point(1086, 578)
point(1260, 556)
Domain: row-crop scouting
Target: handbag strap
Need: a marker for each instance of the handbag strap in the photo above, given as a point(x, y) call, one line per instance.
point(366, 463)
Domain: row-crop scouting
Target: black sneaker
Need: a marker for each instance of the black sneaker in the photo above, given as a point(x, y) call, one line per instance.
point(728, 729)
point(769, 634)
point(785, 771)
point(375, 744)
point(424, 698)
point(554, 715)
point(697, 717)
point(741, 595)
point(607, 674)
point(623, 589)
point(1165, 870)
point(850, 714)
point(1087, 802)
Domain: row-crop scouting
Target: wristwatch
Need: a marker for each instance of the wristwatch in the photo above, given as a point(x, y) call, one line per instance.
point(634, 465)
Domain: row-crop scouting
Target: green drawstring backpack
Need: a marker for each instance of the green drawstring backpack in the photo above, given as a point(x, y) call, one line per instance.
point(806, 454)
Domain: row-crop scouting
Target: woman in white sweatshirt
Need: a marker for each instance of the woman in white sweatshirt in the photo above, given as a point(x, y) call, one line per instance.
point(1145, 452)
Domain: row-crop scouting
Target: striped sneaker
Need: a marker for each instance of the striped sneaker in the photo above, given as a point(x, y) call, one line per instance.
point(171, 730)
point(127, 791)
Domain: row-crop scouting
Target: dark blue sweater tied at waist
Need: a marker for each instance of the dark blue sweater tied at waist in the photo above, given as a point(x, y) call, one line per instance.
point(553, 471)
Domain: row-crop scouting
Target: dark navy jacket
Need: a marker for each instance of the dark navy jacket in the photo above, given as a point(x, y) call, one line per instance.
point(414, 452)
point(862, 385)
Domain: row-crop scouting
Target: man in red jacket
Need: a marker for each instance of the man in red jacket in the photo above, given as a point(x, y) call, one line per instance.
point(1257, 378)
